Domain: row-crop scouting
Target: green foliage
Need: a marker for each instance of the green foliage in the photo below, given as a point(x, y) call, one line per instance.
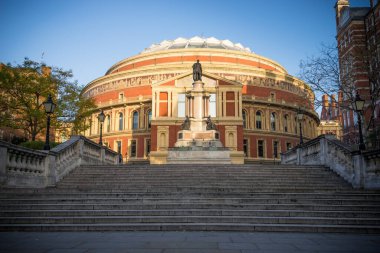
point(24, 88)
point(37, 145)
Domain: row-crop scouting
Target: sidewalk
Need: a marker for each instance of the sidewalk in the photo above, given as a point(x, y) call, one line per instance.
point(187, 242)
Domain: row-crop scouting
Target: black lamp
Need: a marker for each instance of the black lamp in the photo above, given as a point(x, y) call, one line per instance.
point(101, 118)
point(359, 105)
point(49, 109)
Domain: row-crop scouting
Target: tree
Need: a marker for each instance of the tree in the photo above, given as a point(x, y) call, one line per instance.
point(326, 75)
point(25, 87)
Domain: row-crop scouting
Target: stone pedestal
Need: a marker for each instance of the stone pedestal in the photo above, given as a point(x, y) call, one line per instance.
point(197, 144)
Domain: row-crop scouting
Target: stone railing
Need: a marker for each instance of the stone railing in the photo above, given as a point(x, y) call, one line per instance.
point(361, 169)
point(23, 167)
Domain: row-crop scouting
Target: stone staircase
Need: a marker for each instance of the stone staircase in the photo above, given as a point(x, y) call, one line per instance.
point(194, 197)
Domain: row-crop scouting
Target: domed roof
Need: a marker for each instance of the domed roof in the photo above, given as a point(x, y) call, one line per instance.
point(196, 42)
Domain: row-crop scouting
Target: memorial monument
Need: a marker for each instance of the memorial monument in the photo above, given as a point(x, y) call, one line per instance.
point(198, 140)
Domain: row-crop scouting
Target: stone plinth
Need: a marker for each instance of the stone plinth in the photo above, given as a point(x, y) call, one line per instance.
point(197, 145)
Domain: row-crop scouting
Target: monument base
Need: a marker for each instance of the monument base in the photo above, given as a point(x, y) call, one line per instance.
point(198, 155)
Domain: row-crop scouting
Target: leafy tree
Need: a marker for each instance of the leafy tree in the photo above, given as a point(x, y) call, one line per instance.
point(23, 89)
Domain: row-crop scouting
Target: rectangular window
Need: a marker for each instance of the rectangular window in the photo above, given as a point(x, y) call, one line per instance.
point(260, 148)
point(245, 147)
point(118, 146)
point(212, 105)
point(181, 105)
point(163, 104)
point(121, 96)
point(230, 103)
point(275, 149)
point(288, 146)
point(147, 147)
point(133, 148)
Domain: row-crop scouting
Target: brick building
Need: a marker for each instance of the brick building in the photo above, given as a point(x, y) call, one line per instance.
point(252, 100)
point(331, 119)
point(358, 30)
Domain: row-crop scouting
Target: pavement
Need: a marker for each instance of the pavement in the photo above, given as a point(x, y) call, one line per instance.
point(186, 242)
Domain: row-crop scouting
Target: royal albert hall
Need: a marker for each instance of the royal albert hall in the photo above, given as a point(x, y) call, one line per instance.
point(252, 100)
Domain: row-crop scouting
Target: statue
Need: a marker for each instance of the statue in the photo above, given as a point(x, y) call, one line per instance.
point(197, 71)
point(186, 124)
point(210, 125)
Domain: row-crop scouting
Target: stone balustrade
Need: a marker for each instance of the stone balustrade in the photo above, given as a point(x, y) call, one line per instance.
point(361, 169)
point(23, 167)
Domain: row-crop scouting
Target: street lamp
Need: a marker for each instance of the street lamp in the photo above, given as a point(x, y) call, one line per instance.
point(49, 109)
point(359, 105)
point(101, 118)
point(300, 117)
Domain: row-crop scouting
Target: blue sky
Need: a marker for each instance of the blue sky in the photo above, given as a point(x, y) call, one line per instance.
point(89, 36)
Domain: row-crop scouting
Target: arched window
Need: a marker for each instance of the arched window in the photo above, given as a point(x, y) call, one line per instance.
point(244, 115)
point(258, 120)
point(135, 120)
point(286, 123)
point(121, 127)
point(273, 121)
point(149, 116)
point(108, 123)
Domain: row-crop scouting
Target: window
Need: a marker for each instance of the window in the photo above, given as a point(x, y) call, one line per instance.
point(288, 146)
point(295, 124)
point(133, 148)
point(90, 126)
point(212, 105)
point(121, 120)
point(181, 105)
point(147, 147)
point(355, 119)
point(258, 120)
point(118, 145)
point(260, 148)
point(273, 121)
point(244, 114)
point(108, 123)
point(121, 96)
point(135, 120)
point(149, 118)
point(286, 123)
point(275, 149)
point(245, 147)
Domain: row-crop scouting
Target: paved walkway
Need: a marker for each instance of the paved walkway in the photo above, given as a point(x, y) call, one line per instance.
point(186, 242)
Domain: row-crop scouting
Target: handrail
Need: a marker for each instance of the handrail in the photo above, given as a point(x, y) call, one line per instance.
point(24, 167)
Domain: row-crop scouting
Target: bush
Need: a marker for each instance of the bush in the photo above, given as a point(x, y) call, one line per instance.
point(37, 145)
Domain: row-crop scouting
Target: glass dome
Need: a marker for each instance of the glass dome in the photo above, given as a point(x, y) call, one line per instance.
point(196, 42)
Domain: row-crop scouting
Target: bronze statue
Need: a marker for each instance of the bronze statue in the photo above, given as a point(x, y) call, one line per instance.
point(186, 124)
point(197, 71)
point(210, 125)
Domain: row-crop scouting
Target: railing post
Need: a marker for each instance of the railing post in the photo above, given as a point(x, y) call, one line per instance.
point(323, 151)
point(358, 164)
point(3, 165)
point(102, 155)
point(299, 155)
point(50, 168)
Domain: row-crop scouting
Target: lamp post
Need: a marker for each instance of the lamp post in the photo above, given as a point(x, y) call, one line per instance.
point(49, 109)
point(300, 117)
point(101, 118)
point(359, 105)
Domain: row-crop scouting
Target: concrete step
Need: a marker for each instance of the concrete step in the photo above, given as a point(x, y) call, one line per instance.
point(190, 212)
point(188, 197)
point(192, 219)
point(194, 227)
